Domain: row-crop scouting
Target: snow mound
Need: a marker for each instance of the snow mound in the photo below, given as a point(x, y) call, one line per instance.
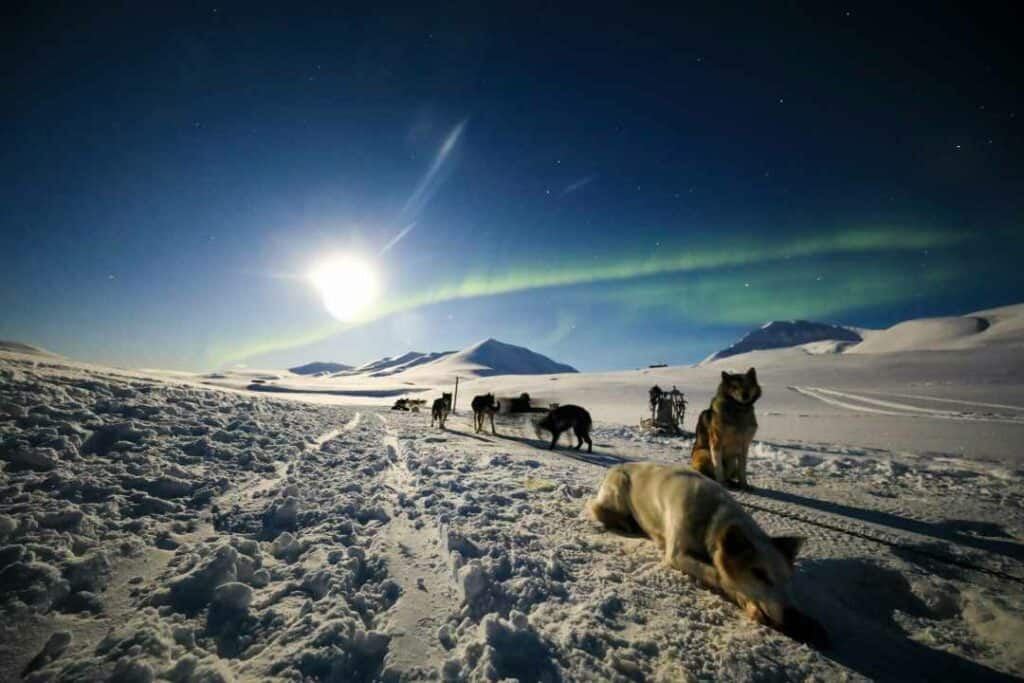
point(785, 333)
point(998, 326)
point(319, 368)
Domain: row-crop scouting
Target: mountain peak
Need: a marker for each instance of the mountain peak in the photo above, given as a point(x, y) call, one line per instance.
point(777, 334)
point(501, 358)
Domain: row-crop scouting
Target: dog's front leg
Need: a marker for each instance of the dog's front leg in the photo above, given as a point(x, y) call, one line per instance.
point(717, 458)
point(743, 469)
point(690, 565)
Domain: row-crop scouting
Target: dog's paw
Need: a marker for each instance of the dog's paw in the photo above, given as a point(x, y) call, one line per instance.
point(755, 614)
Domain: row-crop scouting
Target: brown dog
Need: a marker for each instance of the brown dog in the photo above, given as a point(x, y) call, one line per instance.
point(725, 430)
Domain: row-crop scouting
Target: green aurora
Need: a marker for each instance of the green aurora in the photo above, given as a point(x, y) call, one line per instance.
point(735, 279)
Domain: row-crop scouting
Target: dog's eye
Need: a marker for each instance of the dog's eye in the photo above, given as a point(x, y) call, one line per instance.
point(761, 576)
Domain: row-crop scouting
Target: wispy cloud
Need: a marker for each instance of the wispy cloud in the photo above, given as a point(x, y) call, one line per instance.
point(434, 177)
point(397, 238)
point(578, 184)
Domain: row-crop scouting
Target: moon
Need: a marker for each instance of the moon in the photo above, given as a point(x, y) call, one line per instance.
point(347, 285)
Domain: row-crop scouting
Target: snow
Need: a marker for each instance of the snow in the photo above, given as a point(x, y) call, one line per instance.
point(155, 526)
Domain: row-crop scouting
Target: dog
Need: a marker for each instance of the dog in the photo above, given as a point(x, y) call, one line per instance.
point(439, 411)
point(561, 419)
point(484, 405)
point(706, 534)
point(725, 430)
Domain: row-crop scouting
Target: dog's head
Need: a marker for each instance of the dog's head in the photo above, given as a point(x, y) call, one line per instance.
point(757, 569)
point(741, 387)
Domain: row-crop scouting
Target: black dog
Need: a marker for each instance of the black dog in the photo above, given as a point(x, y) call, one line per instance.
point(439, 411)
point(484, 405)
point(563, 418)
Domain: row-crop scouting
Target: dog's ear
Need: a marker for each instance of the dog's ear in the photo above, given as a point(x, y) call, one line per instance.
point(725, 376)
point(734, 541)
point(789, 546)
point(752, 374)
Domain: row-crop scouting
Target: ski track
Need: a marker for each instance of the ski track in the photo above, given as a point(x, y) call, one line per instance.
point(847, 400)
point(241, 547)
point(982, 404)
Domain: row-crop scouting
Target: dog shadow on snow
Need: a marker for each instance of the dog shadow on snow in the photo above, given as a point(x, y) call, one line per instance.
point(856, 601)
point(601, 459)
point(983, 536)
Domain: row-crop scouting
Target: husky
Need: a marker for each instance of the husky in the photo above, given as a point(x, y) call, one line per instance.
point(563, 418)
point(484, 405)
point(725, 430)
point(706, 534)
point(439, 412)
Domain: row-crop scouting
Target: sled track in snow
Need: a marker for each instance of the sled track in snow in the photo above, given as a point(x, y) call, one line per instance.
point(878, 406)
point(877, 538)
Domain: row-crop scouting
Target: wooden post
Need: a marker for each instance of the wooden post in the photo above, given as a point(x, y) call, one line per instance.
point(455, 397)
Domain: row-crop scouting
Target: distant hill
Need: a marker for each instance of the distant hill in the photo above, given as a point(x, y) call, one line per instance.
point(319, 367)
point(993, 327)
point(487, 358)
point(491, 357)
point(19, 347)
point(785, 333)
point(1003, 327)
point(392, 365)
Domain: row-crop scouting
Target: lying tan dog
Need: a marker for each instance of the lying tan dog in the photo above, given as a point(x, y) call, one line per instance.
point(706, 534)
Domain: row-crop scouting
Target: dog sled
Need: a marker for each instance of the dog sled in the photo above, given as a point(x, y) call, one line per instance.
point(668, 409)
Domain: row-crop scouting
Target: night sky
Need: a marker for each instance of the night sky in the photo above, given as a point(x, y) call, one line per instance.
point(609, 187)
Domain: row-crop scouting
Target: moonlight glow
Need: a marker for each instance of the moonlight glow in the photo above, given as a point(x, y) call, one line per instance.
point(347, 286)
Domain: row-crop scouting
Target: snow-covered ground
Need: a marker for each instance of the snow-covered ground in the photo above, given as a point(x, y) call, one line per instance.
point(152, 526)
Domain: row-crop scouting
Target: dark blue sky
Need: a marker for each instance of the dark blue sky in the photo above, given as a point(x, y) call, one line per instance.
point(622, 186)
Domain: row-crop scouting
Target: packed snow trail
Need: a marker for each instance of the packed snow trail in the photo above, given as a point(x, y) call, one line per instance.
point(410, 542)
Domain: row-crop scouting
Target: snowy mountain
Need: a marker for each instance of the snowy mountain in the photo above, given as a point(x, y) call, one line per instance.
point(319, 368)
point(785, 333)
point(392, 365)
point(491, 357)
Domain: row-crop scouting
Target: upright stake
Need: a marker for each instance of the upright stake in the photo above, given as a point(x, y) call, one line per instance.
point(455, 398)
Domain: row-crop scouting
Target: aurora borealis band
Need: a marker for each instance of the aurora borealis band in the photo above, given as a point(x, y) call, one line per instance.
point(702, 283)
